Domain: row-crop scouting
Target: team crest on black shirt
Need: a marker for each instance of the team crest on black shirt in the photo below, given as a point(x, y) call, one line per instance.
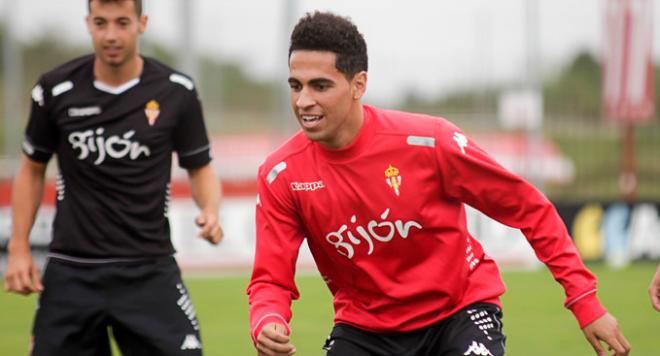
point(152, 110)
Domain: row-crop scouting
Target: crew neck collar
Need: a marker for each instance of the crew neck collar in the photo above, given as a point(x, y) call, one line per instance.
point(121, 88)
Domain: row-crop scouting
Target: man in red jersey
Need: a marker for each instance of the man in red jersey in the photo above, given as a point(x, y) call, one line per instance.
point(379, 195)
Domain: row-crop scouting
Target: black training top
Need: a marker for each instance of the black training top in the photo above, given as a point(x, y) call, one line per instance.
point(114, 148)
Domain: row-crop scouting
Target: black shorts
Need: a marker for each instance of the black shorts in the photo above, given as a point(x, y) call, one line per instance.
point(144, 305)
point(475, 330)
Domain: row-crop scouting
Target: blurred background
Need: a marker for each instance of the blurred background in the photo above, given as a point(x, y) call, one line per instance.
point(559, 92)
point(562, 92)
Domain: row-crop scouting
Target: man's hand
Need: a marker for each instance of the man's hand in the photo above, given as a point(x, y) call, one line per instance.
point(274, 341)
point(22, 275)
point(654, 290)
point(606, 329)
point(210, 227)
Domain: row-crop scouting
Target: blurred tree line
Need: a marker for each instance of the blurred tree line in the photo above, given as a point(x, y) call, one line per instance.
point(574, 91)
point(226, 90)
point(235, 102)
point(224, 86)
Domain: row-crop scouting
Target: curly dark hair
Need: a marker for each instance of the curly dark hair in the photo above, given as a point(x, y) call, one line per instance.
point(325, 31)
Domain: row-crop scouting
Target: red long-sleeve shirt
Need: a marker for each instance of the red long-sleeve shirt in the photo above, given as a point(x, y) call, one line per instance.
point(385, 222)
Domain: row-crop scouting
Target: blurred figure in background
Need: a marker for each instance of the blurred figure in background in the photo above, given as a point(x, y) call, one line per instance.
point(379, 195)
point(654, 290)
point(113, 118)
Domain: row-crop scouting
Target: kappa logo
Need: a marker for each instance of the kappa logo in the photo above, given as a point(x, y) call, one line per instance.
point(86, 111)
point(461, 141)
point(478, 349)
point(307, 186)
point(191, 343)
point(152, 110)
point(393, 179)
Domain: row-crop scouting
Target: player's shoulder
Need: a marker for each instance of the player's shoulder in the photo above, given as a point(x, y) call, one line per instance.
point(158, 71)
point(63, 79)
point(69, 71)
point(395, 122)
point(290, 152)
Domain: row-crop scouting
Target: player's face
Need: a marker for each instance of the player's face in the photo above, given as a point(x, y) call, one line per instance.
point(115, 28)
point(325, 102)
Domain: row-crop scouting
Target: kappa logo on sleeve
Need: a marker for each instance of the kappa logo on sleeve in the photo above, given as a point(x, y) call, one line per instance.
point(461, 141)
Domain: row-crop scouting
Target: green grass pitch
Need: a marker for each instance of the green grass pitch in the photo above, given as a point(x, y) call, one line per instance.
point(535, 321)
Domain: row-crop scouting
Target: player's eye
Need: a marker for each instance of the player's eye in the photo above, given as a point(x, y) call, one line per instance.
point(322, 86)
point(295, 86)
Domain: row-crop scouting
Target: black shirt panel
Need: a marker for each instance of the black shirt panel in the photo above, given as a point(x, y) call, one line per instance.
point(114, 156)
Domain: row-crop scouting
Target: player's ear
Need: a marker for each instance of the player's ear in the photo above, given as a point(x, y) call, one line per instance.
point(359, 84)
point(142, 23)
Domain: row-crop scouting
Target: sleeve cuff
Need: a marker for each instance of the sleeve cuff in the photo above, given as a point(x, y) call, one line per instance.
point(195, 159)
point(586, 308)
point(266, 319)
point(35, 153)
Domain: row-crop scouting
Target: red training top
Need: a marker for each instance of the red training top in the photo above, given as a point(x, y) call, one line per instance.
point(385, 222)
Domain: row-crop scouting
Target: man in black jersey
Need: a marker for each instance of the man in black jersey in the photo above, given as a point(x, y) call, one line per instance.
point(113, 119)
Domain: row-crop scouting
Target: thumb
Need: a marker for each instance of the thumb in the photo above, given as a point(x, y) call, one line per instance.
point(200, 220)
point(36, 279)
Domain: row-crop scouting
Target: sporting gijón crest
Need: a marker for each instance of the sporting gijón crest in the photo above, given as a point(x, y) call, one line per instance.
point(152, 110)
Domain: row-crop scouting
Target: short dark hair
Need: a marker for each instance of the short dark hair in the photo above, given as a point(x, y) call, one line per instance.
point(138, 5)
point(325, 31)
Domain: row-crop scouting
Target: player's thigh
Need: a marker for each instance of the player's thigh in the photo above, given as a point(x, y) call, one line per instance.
point(153, 313)
point(476, 330)
point(70, 319)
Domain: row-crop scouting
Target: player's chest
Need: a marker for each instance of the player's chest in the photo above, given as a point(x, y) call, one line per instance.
point(393, 184)
point(142, 111)
point(364, 207)
point(119, 125)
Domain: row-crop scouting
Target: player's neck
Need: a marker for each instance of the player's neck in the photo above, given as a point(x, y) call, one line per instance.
point(350, 131)
point(118, 75)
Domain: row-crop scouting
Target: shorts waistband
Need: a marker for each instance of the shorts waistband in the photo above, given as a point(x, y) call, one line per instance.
point(106, 261)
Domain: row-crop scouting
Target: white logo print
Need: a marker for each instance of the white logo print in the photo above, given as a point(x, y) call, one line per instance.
point(373, 231)
point(461, 141)
point(38, 95)
point(114, 146)
point(185, 303)
point(86, 111)
point(191, 343)
point(307, 186)
point(477, 349)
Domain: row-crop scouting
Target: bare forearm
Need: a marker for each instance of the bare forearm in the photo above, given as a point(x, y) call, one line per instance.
point(27, 191)
point(205, 189)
